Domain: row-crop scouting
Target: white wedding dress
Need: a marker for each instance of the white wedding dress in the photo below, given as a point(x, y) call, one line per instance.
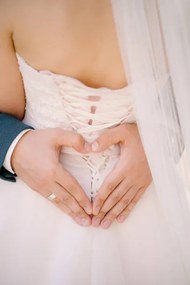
point(40, 245)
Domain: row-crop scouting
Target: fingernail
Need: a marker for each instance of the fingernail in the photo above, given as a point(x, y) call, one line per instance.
point(78, 220)
point(95, 146)
point(96, 222)
point(106, 224)
point(85, 222)
point(121, 219)
point(82, 221)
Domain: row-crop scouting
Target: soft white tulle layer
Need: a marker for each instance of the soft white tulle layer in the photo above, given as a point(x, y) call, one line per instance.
point(41, 245)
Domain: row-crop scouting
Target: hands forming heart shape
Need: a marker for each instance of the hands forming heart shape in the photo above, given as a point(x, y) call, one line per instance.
point(36, 161)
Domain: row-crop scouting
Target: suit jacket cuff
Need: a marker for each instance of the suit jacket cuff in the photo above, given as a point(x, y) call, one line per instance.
point(10, 128)
point(7, 162)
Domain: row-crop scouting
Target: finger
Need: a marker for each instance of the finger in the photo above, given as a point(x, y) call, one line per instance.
point(65, 202)
point(81, 221)
point(112, 208)
point(112, 181)
point(111, 201)
point(68, 200)
point(110, 137)
point(118, 208)
point(71, 139)
point(68, 182)
point(57, 202)
point(124, 214)
point(122, 190)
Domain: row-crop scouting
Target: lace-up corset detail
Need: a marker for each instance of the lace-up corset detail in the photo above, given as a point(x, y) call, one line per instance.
point(54, 100)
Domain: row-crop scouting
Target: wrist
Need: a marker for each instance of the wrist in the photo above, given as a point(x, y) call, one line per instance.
point(13, 151)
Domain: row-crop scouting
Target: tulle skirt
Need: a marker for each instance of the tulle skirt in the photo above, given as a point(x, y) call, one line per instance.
point(40, 245)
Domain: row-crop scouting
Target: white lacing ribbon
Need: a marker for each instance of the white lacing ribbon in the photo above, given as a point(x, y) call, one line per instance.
point(95, 173)
point(112, 107)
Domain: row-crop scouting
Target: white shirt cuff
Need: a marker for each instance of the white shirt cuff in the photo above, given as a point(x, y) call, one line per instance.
point(7, 161)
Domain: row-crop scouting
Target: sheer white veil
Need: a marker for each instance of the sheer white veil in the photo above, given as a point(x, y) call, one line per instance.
point(154, 37)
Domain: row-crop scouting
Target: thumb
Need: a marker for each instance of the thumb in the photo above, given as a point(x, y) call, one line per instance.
point(74, 140)
point(107, 139)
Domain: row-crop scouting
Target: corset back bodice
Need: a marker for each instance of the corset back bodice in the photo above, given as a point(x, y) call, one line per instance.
point(54, 100)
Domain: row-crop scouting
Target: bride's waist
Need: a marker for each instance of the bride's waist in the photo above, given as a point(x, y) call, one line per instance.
point(90, 132)
point(71, 156)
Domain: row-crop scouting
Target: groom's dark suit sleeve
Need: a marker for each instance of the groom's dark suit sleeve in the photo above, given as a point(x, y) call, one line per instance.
point(10, 127)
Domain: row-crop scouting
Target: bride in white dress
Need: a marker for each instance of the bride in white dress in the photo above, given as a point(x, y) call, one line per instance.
point(39, 244)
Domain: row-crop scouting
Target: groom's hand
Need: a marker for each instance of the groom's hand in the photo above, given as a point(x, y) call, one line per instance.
point(127, 182)
point(36, 161)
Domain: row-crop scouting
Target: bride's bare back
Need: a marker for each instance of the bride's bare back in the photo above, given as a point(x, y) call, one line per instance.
point(75, 38)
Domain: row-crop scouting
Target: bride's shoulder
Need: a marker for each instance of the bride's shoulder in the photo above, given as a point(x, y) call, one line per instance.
point(6, 17)
point(9, 11)
point(15, 14)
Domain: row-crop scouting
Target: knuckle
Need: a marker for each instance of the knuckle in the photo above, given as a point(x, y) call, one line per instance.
point(125, 201)
point(102, 214)
point(127, 211)
point(112, 215)
point(79, 213)
point(100, 200)
point(110, 186)
point(71, 186)
point(66, 199)
point(130, 206)
point(57, 202)
point(115, 198)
